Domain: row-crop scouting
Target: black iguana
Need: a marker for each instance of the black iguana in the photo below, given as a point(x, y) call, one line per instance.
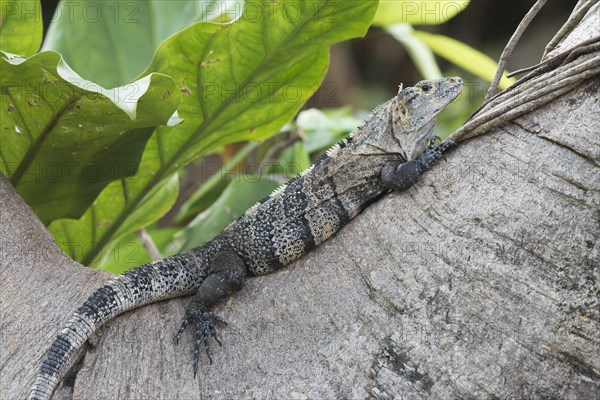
point(389, 151)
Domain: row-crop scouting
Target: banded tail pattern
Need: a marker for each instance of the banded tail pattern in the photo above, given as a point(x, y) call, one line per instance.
point(168, 278)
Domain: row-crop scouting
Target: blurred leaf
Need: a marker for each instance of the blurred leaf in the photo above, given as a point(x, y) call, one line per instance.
point(123, 35)
point(129, 252)
point(239, 195)
point(78, 238)
point(419, 51)
point(291, 162)
point(463, 56)
point(301, 159)
point(64, 138)
point(340, 119)
point(241, 82)
point(412, 12)
point(209, 194)
point(323, 128)
point(196, 200)
point(20, 26)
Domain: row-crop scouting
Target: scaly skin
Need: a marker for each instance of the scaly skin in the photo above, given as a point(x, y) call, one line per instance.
point(389, 151)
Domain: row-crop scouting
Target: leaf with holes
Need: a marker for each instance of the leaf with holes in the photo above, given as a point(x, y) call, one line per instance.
point(64, 138)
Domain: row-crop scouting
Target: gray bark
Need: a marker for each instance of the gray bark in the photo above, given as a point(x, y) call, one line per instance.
point(481, 281)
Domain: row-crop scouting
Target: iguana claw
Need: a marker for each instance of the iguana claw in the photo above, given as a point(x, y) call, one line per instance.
point(432, 154)
point(204, 322)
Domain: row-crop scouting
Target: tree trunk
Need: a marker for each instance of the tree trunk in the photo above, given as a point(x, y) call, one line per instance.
point(481, 281)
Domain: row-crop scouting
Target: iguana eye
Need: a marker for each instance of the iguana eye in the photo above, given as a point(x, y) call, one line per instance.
point(425, 88)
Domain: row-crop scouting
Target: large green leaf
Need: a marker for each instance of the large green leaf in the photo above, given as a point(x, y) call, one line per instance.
point(123, 35)
point(20, 26)
point(417, 12)
point(241, 81)
point(64, 138)
point(464, 56)
point(79, 238)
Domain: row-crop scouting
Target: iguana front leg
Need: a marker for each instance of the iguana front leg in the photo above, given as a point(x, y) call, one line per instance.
point(399, 175)
point(432, 154)
point(227, 275)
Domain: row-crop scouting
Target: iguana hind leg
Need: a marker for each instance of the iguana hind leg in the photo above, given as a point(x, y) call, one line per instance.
point(228, 274)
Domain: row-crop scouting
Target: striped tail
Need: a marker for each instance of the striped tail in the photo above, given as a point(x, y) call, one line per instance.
point(153, 282)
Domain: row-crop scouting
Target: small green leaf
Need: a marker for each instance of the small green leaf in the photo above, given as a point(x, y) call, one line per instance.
point(463, 56)
point(323, 128)
point(292, 161)
point(20, 26)
point(64, 138)
point(430, 12)
point(207, 196)
point(301, 157)
point(239, 195)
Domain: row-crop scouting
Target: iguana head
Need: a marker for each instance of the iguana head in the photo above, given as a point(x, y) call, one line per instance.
point(414, 110)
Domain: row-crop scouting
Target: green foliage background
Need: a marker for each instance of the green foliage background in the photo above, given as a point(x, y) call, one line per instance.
point(140, 89)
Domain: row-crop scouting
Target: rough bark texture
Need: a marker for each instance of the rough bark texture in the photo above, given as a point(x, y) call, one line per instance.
point(482, 281)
